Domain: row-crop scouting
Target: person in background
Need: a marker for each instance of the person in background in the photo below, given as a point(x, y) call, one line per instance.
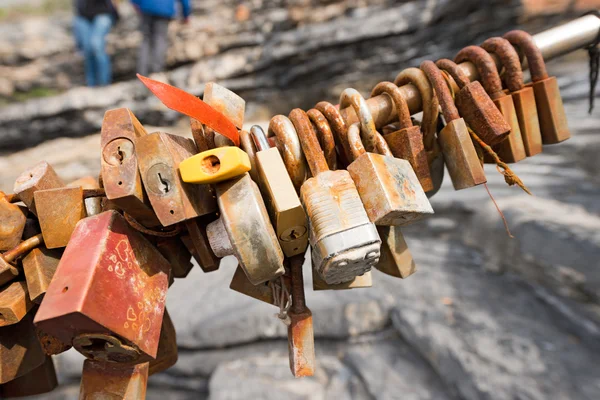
point(93, 20)
point(155, 17)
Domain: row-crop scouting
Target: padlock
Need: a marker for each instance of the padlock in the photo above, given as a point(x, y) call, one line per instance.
point(396, 259)
point(8, 271)
point(244, 230)
point(93, 205)
point(14, 303)
point(429, 123)
point(459, 152)
point(476, 106)
point(167, 354)
point(226, 102)
point(407, 141)
point(344, 242)
point(551, 112)
point(289, 146)
point(301, 338)
point(362, 281)
point(197, 243)
point(263, 292)
point(108, 293)
point(159, 155)
point(325, 136)
point(388, 187)
point(50, 344)
point(12, 223)
point(511, 150)
point(215, 165)
point(20, 350)
point(177, 254)
point(39, 177)
point(204, 141)
point(121, 179)
point(286, 212)
point(40, 380)
point(338, 128)
point(247, 144)
point(523, 96)
point(32, 228)
point(106, 380)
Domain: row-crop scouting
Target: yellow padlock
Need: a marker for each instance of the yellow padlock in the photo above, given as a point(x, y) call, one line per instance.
point(215, 165)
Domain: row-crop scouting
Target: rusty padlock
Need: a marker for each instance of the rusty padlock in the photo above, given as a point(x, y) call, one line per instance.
point(40, 380)
point(177, 254)
point(106, 380)
point(108, 293)
point(511, 150)
point(396, 259)
point(523, 96)
point(244, 230)
point(407, 141)
point(197, 243)
point(93, 205)
point(362, 281)
point(388, 186)
point(286, 212)
point(551, 112)
point(459, 152)
point(325, 136)
point(429, 123)
point(14, 303)
point(264, 292)
point(8, 271)
point(39, 177)
point(50, 344)
point(121, 179)
point(476, 106)
point(20, 350)
point(159, 155)
point(289, 146)
point(226, 102)
point(344, 242)
point(301, 338)
point(167, 354)
point(338, 128)
point(247, 144)
point(12, 222)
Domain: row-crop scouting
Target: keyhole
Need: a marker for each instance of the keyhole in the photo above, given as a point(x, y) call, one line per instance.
point(165, 184)
point(294, 234)
point(120, 155)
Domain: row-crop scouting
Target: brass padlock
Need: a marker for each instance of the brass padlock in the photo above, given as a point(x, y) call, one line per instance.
point(197, 243)
point(12, 223)
point(40, 380)
point(362, 281)
point(511, 150)
point(396, 259)
point(108, 293)
point(39, 177)
point(159, 155)
point(301, 338)
point(344, 242)
point(20, 350)
point(406, 142)
point(121, 179)
point(14, 303)
point(244, 230)
point(264, 291)
point(551, 112)
point(8, 271)
point(247, 144)
point(289, 146)
point(388, 186)
point(106, 380)
point(476, 106)
point(459, 153)
point(177, 254)
point(429, 123)
point(523, 96)
point(167, 354)
point(286, 212)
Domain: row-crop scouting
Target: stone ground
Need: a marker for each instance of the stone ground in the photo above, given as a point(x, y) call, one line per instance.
point(485, 316)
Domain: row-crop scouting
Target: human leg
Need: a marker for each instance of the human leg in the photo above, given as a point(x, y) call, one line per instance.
point(82, 29)
point(101, 26)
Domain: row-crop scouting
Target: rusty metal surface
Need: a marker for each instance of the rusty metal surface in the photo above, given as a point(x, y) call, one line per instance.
point(12, 223)
point(110, 279)
point(167, 347)
point(39, 267)
point(396, 259)
point(39, 177)
point(525, 43)
point(226, 102)
point(308, 140)
point(325, 136)
point(288, 144)
point(8, 272)
point(177, 254)
point(442, 92)
point(351, 97)
point(22, 248)
point(197, 243)
point(338, 128)
point(51, 344)
point(203, 141)
point(527, 114)
point(511, 150)
point(486, 67)
point(103, 347)
point(173, 200)
point(248, 146)
point(455, 72)
point(14, 303)
point(551, 112)
point(58, 212)
point(241, 284)
point(509, 59)
point(20, 350)
point(102, 380)
point(38, 381)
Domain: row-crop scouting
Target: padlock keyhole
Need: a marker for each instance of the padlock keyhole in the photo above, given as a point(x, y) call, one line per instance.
point(165, 184)
point(120, 155)
point(211, 164)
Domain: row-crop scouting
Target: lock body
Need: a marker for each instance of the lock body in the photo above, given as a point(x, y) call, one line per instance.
point(407, 144)
point(226, 102)
point(511, 150)
point(344, 242)
point(551, 111)
point(526, 109)
point(40, 380)
point(104, 380)
point(112, 283)
point(59, 210)
point(159, 155)
point(215, 165)
point(241, 284)
point(389, 190)
point(14, 303)
point(197, 243)
point(20, 350)
point(39, 177)
point(8, 272)
point(460, 155)
point(362, 281)
point(244, 230)
point(301, 343)
point(396, 259)
point(39, 267)
point(177, 254)
point(12, 223)
point(167, 354)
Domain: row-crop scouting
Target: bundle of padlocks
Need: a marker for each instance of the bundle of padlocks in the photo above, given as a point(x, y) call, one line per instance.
point(88, 264)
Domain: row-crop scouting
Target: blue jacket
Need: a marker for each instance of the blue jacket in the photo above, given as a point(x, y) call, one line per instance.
point(162, 8)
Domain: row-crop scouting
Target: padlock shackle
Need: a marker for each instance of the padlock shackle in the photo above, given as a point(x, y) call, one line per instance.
point(486, 67)
point(351, 97)
point(288, 144)
point(325, 136)
point(355, 143)
point(309, 142)
point(297, 281)
point(526, 44)
point(454, 70)
point(23, 247)
point(260, 138)
point(401, 106)
point(336, 123)
point(509, 58)
point(434, 74)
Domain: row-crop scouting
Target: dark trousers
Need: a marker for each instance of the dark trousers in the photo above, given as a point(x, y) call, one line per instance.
point(153, 49)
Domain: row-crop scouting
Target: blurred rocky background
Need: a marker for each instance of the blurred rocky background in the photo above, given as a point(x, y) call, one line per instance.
point(485, 316)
